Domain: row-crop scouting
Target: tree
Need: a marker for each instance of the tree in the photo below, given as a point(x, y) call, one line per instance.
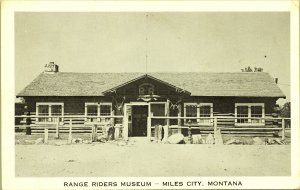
point(249, 69)
point(285, 110)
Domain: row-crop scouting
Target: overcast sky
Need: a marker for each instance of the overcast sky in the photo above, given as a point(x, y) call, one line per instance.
point(173, 42)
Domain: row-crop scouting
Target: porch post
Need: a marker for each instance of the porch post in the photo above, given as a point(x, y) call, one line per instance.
point(125, 127)
point(112, 119)
point(283, 129)
point(179, 120)
point(70, 132)
point(149, 126)
point(57, 129)
point(168, 112)
point(37, 113)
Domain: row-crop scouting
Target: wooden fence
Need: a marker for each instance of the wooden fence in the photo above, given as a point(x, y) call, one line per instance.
point(220, 123)
point(203, 125)
point(72, 124)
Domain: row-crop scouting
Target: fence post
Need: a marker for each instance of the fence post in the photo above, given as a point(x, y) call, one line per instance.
point(125, 127)
point(112, 119)
point(215, 127)
point(70, 132)
point(94, 133)
point(149, 127)
point(112, 130)
point(166, 133)
point(28, 121)
point(283, 130)
point(160, 130)
point(117, 132)
point(190, 138)
point(179, 121)
point(45, 135)
point(168, 111)
point(28, 130)
point(57, 129)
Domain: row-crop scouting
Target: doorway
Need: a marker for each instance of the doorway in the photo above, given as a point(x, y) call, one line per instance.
point(139, 120)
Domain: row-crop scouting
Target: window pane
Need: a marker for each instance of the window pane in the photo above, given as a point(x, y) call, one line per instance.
point(43, 110)
point(205, 112)
point(92, 110)
point(256, 111)
point(105, 110)
point(56, 110)
point(191, 111)
point(242, 111)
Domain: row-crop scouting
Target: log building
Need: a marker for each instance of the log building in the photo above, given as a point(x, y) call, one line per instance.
point(137, 95)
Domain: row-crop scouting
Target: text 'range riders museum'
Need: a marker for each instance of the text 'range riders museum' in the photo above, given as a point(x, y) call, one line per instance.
point(202, 96)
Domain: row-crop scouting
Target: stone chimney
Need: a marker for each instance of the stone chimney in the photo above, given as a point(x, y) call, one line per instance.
point(51, 68)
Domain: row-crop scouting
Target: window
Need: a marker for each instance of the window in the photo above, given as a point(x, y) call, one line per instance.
point(49, 109)
point(198, 110)
point(252, 112)
point(256, 111)
point(92, 110)
point(205, 111)
point(98, 109)
point(191, 111)
point(105, 110)
point(242, 111)
point(56, 110)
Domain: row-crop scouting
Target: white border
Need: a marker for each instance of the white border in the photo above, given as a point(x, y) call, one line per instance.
point(7, 78)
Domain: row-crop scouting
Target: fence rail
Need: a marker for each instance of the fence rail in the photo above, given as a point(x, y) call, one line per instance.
point(120, 123)
point(72, 124)
point(219, 123)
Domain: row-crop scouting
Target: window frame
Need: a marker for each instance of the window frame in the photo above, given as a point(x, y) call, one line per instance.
point(249, 123)
point(98, 109)
point(198, 106)
point(49, 104)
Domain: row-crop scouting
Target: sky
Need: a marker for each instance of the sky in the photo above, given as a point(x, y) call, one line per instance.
point(171, 41)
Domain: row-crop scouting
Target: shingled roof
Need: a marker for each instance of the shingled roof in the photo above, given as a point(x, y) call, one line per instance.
point(241, 84)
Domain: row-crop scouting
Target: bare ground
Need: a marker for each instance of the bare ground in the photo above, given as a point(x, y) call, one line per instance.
point(150, 159)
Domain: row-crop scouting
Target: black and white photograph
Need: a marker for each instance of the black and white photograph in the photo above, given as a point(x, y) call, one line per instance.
point(146, 98)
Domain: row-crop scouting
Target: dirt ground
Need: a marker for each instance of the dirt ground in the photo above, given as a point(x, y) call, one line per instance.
point(151, 159)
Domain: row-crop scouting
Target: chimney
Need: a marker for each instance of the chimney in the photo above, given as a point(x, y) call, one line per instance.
point(51, 68)
point(276, 80)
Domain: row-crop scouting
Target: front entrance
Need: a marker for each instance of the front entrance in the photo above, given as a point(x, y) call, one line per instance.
point(139, 120)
